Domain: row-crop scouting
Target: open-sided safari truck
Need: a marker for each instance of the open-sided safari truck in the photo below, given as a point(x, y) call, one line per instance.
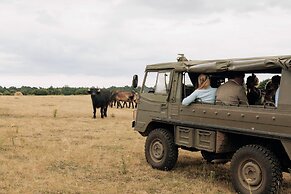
point(255, 138)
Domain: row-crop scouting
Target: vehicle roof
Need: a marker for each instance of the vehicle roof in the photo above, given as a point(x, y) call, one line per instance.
point(270, 64)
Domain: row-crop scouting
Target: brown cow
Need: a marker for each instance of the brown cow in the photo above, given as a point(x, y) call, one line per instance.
point(124, 98)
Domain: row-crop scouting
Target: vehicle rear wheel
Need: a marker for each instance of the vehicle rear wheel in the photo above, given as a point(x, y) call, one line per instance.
point(255, 169)
point(160, 149)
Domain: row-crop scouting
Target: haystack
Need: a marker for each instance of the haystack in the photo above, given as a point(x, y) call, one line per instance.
point(18, 94)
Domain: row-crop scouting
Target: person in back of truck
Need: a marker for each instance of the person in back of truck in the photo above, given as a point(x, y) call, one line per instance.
point(204, 93)
point(232, 92)
point(254, 94)
point(271, 88)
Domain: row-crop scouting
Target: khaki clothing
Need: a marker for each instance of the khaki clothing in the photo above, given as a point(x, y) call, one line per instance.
point(231, 93)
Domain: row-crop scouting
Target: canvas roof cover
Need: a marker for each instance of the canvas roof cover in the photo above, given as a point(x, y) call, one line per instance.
point(269, 63)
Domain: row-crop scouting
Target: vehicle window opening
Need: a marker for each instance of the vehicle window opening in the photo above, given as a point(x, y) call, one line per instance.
point(261, 89)
point(157, 82)
point(260, 92)
point(199, 87)
point(150, 81)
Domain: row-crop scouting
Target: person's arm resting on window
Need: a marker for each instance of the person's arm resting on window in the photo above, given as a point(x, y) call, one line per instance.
point(189, 99)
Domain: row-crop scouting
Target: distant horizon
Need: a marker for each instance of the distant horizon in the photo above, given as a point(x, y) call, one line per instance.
point(65, 80)
point(64, 86)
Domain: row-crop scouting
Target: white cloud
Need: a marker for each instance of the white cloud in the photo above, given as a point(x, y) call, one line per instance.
point(109, 39)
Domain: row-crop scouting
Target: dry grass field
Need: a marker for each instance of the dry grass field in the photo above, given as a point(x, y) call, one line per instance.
point(51, 145)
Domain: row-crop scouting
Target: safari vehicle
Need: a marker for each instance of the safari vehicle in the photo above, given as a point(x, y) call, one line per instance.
point(255, 138)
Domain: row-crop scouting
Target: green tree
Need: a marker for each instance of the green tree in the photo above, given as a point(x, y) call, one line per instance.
point(6, 92)
point(12, 89)
point(41, 91)
point(26, 90)
point(66, 90)
point(81, 91)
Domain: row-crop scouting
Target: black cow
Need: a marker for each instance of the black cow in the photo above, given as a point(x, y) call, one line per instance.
point(100, 99)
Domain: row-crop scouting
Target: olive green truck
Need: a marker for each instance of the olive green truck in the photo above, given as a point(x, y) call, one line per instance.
point(256, 139)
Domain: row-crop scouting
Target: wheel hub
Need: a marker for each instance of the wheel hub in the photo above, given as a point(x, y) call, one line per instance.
point(252, 173)
point(157, 150)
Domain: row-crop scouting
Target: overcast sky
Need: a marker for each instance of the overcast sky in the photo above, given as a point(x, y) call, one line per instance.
point(104, 43)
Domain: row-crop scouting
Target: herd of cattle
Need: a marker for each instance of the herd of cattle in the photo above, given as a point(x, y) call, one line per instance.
point(102, 98)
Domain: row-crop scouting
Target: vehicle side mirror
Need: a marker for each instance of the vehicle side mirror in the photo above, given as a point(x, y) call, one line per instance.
point(134, 81)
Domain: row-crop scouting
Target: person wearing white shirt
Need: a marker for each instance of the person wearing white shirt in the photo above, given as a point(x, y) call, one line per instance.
point(204, 93)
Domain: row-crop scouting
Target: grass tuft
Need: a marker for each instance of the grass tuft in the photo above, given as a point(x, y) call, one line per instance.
point(123, 167)
point(55, 113)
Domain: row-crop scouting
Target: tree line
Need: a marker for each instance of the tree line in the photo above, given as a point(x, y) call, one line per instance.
point(66, 90)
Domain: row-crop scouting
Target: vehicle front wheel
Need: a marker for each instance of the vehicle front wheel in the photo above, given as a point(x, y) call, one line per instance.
point(255, 169)
point(160, 149)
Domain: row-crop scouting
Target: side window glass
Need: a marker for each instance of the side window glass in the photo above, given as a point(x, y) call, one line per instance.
point(150, 82)
point(157, 82)
point(162, 84)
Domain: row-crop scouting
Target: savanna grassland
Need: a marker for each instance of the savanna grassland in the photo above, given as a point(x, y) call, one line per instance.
point(51, 144)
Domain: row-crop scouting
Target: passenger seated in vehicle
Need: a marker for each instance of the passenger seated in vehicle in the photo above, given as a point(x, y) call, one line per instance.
point(271, 88)
point(204, 93)
point(232, 92)
point(254, 94)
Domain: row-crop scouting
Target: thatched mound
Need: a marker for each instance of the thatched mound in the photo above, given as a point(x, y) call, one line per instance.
point(18, 94)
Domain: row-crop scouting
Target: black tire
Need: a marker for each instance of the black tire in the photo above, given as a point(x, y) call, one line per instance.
point(160, 149)
point(255, 169)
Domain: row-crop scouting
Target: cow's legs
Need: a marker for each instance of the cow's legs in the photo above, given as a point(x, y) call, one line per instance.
point(125, 104)
point(112, 103)
point(105, 111)
point(94, 112)
point(128, 104)
point(102, 112)
point(132, 104)
point(119, 104)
